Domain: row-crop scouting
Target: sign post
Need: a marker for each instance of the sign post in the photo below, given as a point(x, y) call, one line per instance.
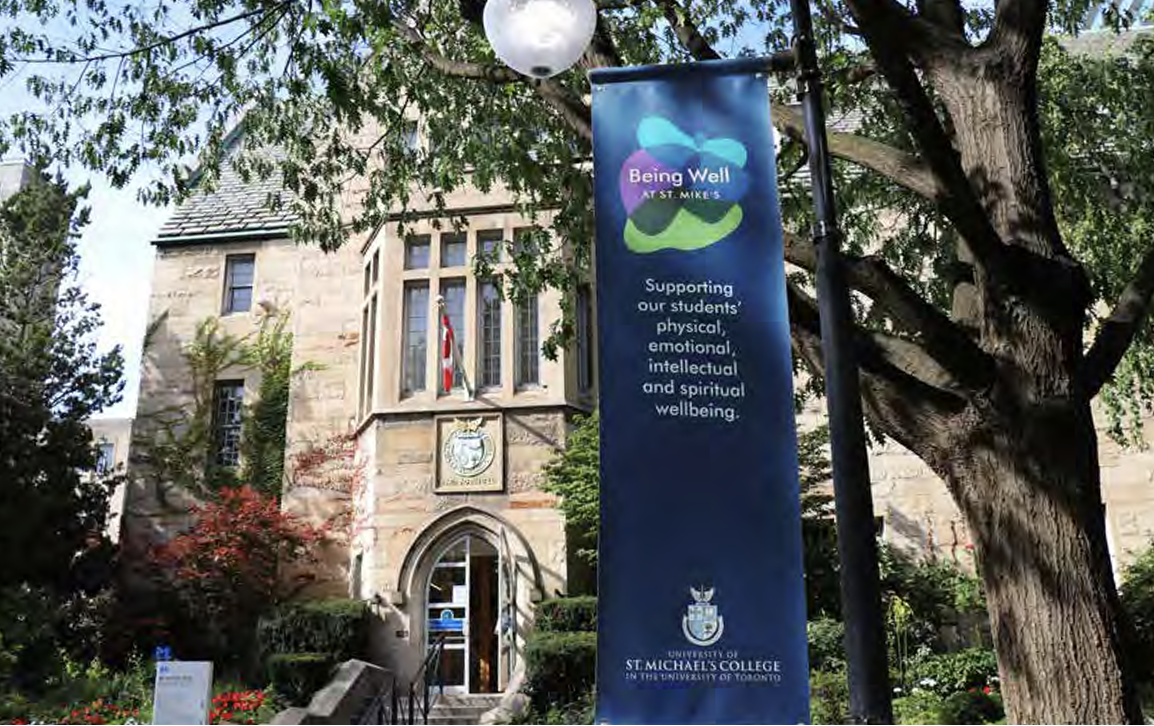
point(183, 692)
point(701, 594)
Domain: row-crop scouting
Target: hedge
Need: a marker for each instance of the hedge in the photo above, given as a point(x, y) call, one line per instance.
point(336, 627)
point(560, 667)
point(297, 676)
point(568, 615)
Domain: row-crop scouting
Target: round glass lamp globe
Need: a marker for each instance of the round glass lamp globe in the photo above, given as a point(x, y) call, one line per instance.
point(540, 38)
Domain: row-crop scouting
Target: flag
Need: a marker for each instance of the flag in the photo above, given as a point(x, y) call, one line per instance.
point(446, 352)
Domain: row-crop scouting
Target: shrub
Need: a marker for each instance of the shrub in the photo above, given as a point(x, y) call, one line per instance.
point(1137, 593)
point(339, 627)
point(920, 707)
point(946, 673)
point(225, 569)
point(826, 644)
point(972, 707)
point(297, 676)
point(568, 615)
point(828, 697)
point(28, 637)
point(560, 667)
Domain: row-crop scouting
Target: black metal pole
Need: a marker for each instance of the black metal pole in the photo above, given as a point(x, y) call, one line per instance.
point(865, 635)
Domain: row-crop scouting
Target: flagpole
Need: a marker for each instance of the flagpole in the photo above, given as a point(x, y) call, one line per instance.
point(458, 358)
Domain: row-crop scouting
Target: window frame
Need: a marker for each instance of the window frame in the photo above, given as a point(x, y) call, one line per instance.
point(221, 429)
point(520, 350)
point(489, 378)
point(421, 240)
point(414, 369)
point(228, 306)
point(460, 327)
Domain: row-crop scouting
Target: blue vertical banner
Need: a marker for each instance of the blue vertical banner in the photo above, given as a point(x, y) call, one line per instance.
point(701, 594)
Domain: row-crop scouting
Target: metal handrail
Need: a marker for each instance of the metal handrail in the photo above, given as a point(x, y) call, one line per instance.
point(390, 707)
point(426, 679)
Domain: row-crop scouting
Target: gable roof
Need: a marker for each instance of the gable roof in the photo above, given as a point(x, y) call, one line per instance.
point(234, 210)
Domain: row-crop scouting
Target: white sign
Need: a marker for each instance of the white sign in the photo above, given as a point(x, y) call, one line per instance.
point(183, 692)
point(460, 595)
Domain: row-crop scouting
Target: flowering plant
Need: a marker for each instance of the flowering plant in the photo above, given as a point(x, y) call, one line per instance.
point(101, 712)
point(238, 707)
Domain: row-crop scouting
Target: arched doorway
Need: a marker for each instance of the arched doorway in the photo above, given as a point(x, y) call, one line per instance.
point(463, 605)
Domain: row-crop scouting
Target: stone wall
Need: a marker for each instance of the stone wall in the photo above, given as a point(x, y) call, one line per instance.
point(920, 516)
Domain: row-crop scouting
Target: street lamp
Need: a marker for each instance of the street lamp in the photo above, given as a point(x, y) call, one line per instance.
point(541, 38)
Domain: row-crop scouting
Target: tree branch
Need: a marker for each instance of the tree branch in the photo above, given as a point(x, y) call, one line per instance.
point(571, 108)
point(914, 413)
point(72, 58)
point(1019, 25)
point(1118, 330)
point(686, 31)
point(898, 166)
point(946, 344)
point(895, 38)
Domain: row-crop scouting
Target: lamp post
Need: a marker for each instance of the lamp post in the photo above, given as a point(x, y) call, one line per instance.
point(541, 38)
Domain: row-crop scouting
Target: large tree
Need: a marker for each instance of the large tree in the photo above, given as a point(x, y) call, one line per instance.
point(52, 380)
point(994, 189)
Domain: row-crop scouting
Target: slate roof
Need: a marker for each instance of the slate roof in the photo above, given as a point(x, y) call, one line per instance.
point(233, 210)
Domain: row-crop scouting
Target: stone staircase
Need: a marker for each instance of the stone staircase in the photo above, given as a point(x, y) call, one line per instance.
point(462, 708)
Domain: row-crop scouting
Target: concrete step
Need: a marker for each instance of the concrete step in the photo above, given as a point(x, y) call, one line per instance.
point(452, 709)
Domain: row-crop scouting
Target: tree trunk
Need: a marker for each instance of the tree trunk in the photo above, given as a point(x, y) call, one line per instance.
point(1024, 458)
point(1028, 485)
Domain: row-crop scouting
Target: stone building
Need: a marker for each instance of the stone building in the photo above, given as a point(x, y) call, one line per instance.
point(445, 529)
point(111, 437)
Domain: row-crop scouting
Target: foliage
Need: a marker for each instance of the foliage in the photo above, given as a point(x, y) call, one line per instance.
point(818, 529)
point(177, 444)
point(1105, 206)
point(52, 379)
point(918, 707)
point(972, 706)
point(297, 676)
point(932, 586)
point(560, 668)
point(339, 627)
point(946, 673)
point(828, 697)
point(1137, 595)
point(85, 693)
point(575, 476)
point(29, 626)
point(580, 711)
point(826, 638)
point(568, 614)
point(263, 435)
point(224, 569)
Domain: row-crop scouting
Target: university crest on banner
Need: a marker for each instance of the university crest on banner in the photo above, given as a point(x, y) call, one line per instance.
point(701, 624)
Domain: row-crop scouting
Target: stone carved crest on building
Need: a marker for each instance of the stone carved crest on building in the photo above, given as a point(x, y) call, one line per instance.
point(470, 454)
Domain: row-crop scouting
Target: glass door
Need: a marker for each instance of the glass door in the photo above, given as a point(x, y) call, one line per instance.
point(448, 615)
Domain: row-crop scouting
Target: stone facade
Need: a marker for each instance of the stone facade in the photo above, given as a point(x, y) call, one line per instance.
point(112, 437)
point(918, 516)
point(366, 453)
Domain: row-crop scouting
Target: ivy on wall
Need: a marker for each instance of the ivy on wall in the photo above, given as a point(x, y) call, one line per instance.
point(263, 434)
point(176, 445)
